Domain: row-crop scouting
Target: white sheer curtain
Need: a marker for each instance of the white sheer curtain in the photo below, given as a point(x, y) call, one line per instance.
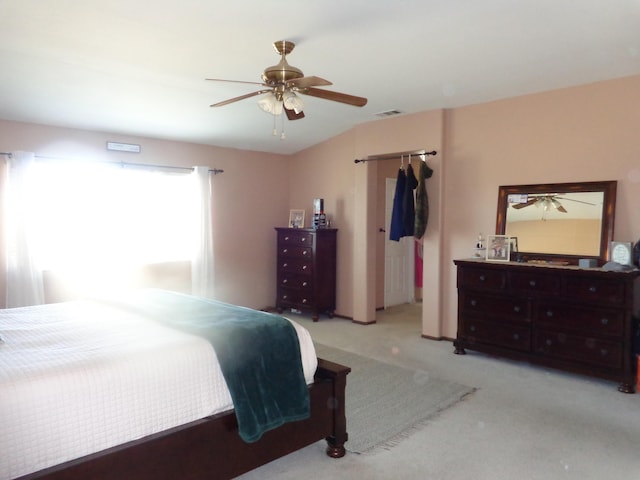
point(23, 276)
point(202, 276)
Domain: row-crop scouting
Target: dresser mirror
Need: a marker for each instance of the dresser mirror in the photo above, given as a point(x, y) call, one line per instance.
point(558, 222)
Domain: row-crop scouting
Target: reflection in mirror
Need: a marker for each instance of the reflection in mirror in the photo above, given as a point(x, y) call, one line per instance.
point(558, 222)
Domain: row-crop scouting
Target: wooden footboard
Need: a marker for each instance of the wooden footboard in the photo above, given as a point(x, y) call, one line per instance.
point(211, 448)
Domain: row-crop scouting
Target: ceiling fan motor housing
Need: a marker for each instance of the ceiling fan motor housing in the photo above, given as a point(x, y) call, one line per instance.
point(282, 72)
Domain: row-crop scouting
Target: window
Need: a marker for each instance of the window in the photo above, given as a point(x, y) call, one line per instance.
point(101, 218)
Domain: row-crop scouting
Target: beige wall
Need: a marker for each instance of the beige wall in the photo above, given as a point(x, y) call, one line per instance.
point(585, 133)
point(566, 237)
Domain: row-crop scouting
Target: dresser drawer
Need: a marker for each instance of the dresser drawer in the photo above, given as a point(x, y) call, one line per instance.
point(565, 316)
point(478, 331)
point(294, 298)
point(294, 238)
point(533, 283)
point(488, 306)
point(294, 265)
point(295, 251)
point(482, 279)
point(598, 290)
point(298, 282)
point(593, 351)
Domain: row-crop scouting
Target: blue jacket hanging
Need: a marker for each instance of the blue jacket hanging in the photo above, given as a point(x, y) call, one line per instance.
point(396, 229)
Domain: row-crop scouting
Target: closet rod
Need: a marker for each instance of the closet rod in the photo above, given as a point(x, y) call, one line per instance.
point(215, 171)
point(395, 156)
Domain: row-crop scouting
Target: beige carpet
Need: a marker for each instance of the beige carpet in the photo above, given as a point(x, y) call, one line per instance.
point(385, 402)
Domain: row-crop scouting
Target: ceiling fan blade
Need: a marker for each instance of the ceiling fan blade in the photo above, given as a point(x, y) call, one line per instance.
point(292, 115)
point(306, 82)
point(577, 201)
point(241, 97)
point(518, 206)
point(235, 81)
point(335, 96)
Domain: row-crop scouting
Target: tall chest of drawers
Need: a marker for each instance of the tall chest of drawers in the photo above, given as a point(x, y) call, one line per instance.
point(580, 320)
point(306, 271)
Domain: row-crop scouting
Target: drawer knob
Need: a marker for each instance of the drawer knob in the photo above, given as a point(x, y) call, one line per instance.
point(516, 309)
point(549, 313)
point(285, 265)
point(604, 321)
point(285, 250)
point(472, 328)
point(303, 239)
point(304, 267)
point(549, 342)
point(286, 238)
point(604, 352)
point(474, 302)
point(593, 289)
point(305, 252)
point(516, 336)
point(482, 278)
point(532, 283)
point(285, 281)
point(304, 300)
point(304, 284)
point(284, 297)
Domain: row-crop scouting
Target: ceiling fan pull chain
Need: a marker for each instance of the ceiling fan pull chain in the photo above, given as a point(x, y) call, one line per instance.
point(282, 137)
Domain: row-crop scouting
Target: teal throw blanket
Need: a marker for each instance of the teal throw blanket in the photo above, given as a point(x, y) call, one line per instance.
point(259, 354)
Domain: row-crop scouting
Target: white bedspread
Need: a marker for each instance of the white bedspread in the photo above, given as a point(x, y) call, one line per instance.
point(80, 377)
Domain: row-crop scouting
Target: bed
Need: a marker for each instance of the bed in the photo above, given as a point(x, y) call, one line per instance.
point(132, 387)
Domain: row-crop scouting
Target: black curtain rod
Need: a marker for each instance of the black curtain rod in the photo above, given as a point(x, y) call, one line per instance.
point(395, 156)
point(215, 171)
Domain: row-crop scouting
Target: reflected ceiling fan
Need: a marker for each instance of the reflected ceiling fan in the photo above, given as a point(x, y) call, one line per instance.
point(282, 83)
point(546, 202)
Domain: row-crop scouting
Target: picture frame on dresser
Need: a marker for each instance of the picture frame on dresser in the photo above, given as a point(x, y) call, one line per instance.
point(296, 218)
point(498, 248)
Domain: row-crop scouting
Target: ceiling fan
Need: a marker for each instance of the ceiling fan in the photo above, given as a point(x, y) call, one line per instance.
point(546, 202)
point(282, 83)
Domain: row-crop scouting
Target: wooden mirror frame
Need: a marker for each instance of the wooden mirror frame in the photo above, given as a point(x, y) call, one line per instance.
point(608, 216)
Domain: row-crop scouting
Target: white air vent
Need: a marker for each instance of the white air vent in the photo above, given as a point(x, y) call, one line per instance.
point(388, 113)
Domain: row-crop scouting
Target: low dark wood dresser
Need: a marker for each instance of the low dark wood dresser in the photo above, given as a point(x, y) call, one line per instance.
point(576, 319)
point(307, 270)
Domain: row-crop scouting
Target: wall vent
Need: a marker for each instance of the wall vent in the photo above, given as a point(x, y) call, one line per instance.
point(388, 113)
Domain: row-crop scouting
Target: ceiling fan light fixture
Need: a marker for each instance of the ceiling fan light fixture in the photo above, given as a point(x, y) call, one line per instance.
point(293, 102)
point(270, 104)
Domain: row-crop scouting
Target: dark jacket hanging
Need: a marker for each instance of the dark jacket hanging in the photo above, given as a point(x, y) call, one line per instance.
point(422, 200)
point(408, 204)
point(397, 227)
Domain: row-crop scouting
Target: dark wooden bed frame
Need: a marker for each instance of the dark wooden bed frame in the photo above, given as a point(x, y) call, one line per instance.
point(211, 448)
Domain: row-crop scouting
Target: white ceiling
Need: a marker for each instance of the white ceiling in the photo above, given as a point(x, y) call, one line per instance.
point(138, 66)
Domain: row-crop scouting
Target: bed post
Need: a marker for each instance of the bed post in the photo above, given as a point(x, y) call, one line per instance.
point(338, 375)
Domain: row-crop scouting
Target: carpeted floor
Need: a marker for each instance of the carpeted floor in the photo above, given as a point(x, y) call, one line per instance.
point(523, 422)
point(386, 402)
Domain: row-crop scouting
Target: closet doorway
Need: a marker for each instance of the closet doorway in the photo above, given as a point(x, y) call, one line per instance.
point(399, 264)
